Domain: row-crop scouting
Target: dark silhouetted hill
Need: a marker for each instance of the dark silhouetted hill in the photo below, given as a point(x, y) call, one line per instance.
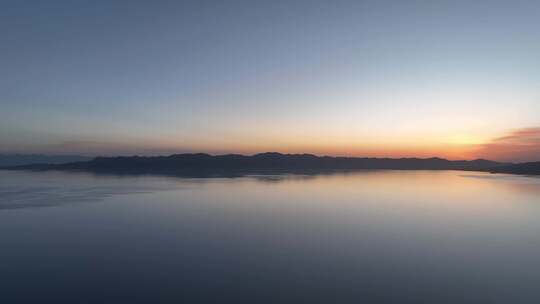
point(201, 163)
point(28, 159)
point(532, 168)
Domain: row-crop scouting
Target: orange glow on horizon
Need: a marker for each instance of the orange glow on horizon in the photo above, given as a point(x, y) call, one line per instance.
point(519, 145)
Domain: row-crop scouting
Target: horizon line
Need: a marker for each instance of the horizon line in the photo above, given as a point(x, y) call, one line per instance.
point(93, 156)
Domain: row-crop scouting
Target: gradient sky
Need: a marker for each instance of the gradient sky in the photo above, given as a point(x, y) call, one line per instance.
point(456, 79)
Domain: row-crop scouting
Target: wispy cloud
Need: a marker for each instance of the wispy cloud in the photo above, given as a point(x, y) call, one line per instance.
point(518, 146)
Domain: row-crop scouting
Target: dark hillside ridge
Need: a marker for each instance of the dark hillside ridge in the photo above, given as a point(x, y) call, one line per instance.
point(271, 161)
point(532, 168)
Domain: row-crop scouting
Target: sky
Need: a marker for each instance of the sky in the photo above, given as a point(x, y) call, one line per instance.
point(455, 79)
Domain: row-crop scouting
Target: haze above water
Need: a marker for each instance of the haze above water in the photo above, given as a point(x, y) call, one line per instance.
point(380, 236)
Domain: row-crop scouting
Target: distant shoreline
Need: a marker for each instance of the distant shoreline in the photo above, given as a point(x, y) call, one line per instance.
point(271, 162)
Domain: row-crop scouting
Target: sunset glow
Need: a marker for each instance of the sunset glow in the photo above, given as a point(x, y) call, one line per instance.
point(400, 79)
point(269, 151)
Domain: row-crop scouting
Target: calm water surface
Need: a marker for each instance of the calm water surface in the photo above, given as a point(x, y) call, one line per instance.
point(373, 237)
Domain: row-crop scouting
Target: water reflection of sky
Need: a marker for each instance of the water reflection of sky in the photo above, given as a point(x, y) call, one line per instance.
point(41, 189)
point(380, 236)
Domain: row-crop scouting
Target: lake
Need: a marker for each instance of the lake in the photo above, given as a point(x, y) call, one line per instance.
point(367, 236)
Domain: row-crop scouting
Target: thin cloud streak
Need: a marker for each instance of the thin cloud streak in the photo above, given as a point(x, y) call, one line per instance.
point(527, 134)
point(521, 145)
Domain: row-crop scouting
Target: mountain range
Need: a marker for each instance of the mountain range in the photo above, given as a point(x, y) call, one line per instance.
point(200, 163)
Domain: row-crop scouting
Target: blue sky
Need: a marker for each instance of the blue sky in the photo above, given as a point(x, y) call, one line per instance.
point(398, 78)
